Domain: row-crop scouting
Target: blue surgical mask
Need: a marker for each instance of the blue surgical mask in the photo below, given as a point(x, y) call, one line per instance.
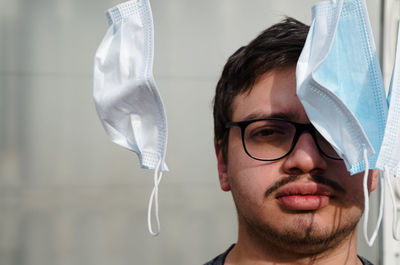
point(339, 83)
point(125, 94)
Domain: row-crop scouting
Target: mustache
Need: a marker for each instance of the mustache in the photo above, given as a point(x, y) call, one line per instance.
point(318, 179)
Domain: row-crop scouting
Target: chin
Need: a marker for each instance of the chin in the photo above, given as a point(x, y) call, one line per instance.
point(305, 234)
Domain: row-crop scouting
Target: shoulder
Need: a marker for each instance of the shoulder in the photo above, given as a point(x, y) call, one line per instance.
point(365, 261)
point(220, 259)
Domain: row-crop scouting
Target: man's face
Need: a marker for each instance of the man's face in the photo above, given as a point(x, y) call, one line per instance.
point(303, 200)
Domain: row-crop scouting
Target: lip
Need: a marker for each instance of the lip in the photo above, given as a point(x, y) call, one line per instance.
point(304, 196)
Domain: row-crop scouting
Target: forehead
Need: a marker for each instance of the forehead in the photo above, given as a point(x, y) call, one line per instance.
point(273, 95)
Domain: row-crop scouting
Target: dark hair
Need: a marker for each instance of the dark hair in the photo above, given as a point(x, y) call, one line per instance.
point(279, 46)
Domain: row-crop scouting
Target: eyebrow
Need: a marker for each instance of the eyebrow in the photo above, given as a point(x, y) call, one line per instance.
point(262, 115)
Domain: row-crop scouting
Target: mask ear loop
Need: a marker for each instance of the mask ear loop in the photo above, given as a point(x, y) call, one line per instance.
point(370, 242)
point(154, 196)
point(394, 204)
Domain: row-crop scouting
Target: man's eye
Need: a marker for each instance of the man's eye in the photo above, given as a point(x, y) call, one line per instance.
point(267, 133)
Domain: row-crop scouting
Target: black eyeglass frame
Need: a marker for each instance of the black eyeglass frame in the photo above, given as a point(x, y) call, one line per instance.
point(299, 127)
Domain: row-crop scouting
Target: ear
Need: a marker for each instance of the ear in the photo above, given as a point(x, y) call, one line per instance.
point(222, 169)
point(374, 175)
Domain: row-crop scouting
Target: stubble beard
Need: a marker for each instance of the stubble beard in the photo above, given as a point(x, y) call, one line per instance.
point(300, 238)
point(301, 234)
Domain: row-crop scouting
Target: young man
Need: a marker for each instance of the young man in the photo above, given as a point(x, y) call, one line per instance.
point(295, 200)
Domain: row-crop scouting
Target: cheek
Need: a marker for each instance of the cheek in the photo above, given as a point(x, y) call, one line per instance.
point(353, 184)
point(354, 187)
point(249, 180)
point(249, 177)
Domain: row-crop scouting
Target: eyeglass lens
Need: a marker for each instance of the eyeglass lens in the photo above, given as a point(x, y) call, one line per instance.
point(272, 139)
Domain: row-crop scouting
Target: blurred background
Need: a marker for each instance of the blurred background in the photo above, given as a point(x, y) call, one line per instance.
point(68, 195)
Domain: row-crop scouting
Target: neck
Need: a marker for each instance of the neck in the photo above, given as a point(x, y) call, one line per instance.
point(251, 250)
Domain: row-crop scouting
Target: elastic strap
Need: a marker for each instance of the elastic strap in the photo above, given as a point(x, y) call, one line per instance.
point(394, 204)
point(370, 242)
point(154, 197)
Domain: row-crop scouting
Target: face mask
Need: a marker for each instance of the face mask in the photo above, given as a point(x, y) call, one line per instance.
point(339, 81)
point(125, 94)
point(340, 85)
point(389, 156)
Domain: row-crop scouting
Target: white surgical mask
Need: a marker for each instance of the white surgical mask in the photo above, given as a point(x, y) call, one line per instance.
point(389, 156)
point(125, 94)
point(340, 85)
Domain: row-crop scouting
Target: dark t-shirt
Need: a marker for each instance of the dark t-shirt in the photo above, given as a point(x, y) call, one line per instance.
point(220, 260)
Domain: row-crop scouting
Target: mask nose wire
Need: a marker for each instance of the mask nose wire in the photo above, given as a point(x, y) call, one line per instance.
point(370, 241)
point(154, 197)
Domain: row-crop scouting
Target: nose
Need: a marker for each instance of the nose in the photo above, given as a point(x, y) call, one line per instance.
point(305, 157)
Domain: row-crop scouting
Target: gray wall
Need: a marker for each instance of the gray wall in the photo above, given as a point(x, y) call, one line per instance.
point(70, 196)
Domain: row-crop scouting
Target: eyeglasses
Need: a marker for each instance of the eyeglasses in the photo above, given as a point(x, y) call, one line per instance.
point(272, 139)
